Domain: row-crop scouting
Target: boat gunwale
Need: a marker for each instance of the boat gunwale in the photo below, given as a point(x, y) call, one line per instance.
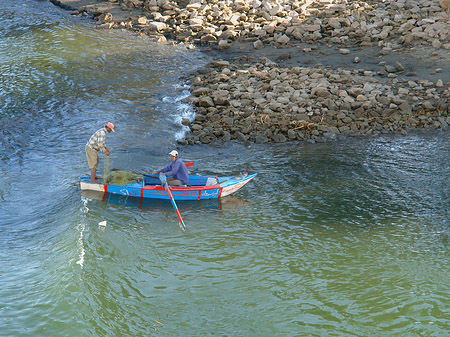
point(230, 180)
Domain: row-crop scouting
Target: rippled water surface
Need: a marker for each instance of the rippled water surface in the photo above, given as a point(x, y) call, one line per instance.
point(340, 239)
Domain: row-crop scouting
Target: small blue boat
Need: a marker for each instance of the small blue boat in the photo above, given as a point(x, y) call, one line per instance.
point(231, 202)
point(199, 188)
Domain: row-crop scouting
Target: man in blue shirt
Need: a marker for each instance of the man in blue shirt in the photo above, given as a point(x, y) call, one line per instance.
point(176, 172)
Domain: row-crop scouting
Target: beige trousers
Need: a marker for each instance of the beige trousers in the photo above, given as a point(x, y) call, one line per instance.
point(92, 157)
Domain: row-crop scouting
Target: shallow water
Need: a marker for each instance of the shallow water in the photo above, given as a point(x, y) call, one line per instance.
point(346, 239)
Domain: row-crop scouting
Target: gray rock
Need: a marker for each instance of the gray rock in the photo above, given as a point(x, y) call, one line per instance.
point(261, 139)
point(279, 138)
point(205, 101)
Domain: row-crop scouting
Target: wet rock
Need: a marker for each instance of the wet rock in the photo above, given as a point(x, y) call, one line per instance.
point(279, 138)
point(258, 44)
point(185, 121)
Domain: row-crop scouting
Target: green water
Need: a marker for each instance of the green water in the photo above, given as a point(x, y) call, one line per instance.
point(347, 238)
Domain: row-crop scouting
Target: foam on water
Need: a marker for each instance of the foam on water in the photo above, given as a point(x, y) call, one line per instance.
point(180, 110)
point(81, 228)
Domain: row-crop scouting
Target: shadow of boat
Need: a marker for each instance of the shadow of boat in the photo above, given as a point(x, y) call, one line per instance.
point(228, 203)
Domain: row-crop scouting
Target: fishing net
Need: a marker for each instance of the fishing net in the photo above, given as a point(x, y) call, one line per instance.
point(118, 177)
point(106, 167)
point(123, 177)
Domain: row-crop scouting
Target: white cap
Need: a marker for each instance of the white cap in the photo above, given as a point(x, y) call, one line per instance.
point(174, 153)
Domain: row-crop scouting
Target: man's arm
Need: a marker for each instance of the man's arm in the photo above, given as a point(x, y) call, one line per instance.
point(174, 169)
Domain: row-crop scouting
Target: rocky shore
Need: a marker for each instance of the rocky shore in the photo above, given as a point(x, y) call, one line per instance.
point(301, 70)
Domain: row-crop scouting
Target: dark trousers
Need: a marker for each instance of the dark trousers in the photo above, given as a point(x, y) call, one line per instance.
point(171, 181)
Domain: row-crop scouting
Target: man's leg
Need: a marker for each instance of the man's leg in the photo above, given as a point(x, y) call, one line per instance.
point(94, 176)
point(92, 159)
point(173, 182)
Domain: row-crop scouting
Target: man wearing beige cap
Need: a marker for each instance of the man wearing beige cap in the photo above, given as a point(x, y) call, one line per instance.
point(97, 143)
point(176, 172)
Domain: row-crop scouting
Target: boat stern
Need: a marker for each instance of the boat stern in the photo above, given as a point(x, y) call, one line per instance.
point(85, 185)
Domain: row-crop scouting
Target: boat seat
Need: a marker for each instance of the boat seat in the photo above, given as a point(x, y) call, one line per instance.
point(211, 181)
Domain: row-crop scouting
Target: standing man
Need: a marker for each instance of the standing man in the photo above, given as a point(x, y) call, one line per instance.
point(97, 143)
point(176, 171)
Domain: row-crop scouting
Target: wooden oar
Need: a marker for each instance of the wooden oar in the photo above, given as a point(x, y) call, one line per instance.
point(163, 179)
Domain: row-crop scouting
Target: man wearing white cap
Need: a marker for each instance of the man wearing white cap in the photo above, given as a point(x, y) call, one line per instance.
point(97, 143)
point(176, 172)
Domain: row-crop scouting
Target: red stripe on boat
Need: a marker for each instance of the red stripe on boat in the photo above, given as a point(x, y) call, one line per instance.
point(142, 198)
point(105, 192)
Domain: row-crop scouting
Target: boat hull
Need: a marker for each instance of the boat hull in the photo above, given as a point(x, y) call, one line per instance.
point(224, 187)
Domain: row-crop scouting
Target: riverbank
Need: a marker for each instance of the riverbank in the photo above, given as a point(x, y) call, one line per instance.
point(297, 70)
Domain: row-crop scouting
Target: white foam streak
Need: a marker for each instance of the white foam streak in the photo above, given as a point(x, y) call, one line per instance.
point(181, 111)
point(81, 227)
point(81, 245)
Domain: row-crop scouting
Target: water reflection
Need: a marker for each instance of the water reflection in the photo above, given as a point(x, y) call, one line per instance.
point(230, 203)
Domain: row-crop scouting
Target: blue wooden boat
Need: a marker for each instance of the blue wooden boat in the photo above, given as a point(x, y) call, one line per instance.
point(231, 202)
point(199, 188)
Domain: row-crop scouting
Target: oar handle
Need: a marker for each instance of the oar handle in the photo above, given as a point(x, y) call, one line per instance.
point(163, 179)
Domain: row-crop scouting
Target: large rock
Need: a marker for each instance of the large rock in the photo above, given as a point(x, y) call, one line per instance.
point(205, 101)
point(157, 26)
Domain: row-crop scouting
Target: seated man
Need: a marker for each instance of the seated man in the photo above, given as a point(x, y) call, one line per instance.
point(176, 172)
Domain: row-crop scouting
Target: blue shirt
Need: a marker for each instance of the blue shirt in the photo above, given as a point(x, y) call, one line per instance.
point(178, 170)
